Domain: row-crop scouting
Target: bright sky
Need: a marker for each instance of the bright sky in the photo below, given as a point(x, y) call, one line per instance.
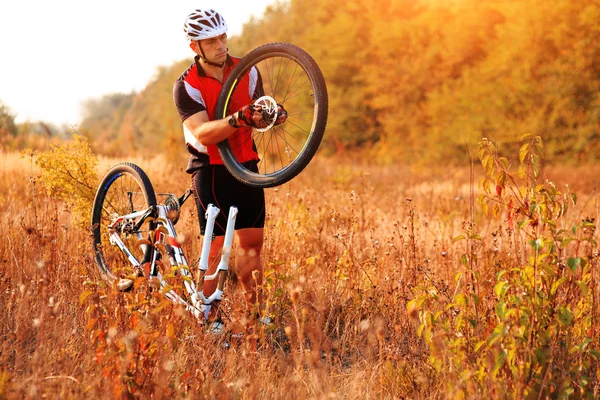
point(55, 54)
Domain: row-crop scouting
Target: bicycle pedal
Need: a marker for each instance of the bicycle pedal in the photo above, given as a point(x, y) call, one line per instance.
point(217, 328)
point(124, 284)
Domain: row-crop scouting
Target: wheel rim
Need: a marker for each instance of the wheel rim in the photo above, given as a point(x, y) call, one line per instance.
point(287, 82)
point(123, 195)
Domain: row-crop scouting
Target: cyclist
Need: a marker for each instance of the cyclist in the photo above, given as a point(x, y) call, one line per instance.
point(195, 94)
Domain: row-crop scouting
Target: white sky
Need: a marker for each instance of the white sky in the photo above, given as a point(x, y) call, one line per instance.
point(56, 53)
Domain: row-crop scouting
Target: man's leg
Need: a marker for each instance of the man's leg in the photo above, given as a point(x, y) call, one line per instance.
point(247, 261)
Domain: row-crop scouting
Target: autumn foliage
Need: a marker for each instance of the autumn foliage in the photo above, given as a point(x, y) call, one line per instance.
point(412, 80)
point(380, 281)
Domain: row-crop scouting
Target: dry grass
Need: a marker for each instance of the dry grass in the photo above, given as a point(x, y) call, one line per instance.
point(345, 245)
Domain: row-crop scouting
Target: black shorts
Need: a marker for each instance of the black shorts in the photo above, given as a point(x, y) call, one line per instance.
point(213, 184)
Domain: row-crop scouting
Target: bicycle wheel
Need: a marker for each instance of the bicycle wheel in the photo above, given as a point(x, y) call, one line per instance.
point(289, 77)
point(124, 190)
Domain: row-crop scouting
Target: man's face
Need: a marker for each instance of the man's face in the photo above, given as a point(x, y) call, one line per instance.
point(215, 49)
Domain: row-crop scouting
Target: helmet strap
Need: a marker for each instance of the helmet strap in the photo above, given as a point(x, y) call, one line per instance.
point(206, 60)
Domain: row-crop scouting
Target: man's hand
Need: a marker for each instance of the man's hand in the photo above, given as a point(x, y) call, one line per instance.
point(281, 115)
point(251, 115)
point(257, 117)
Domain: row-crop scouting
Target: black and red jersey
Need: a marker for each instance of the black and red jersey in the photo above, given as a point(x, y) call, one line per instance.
point(195, 91)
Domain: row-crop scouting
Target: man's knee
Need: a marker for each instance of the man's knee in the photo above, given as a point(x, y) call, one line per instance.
point(249, 251)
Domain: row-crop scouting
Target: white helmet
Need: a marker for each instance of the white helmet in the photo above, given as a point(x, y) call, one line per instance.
point(204, 24)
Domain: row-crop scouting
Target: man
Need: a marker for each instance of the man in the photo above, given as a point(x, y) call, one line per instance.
point(195, 94)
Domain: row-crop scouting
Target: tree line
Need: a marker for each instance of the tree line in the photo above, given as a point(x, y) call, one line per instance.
point(416, 81)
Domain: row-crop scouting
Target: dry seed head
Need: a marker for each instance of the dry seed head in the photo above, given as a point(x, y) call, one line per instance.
point(168, 365)
point(380, 329)
point(296, 293)
point(364, 325)
point(288, 331)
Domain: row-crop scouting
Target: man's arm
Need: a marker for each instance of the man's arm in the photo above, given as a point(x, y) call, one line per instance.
point(212, 132)
point(208, 132)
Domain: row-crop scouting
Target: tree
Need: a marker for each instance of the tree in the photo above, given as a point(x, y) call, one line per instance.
point(7, 122)
point(103, 118)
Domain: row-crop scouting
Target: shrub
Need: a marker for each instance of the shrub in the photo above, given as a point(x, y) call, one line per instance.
point(533, 336)
point(69, 174)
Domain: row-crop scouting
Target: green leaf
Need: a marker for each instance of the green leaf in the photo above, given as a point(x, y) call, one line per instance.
point(566, 241)
point(457, 238)
point(479, 345)
point(499, 362)
point(526, 136)
point(501, 310)
point(537, 244)
point(523, 152)
point(460, 300)
point(500, 274)
point(504, 162)
point(573, 263)
point(487, 165)
point(523, 223)
point(556, 285)
point(521, 171)
point(583, 287)
point(501, 288)
point(564, 316)
point(566, 392)
point(582, 346)
point(549, 222)
point(584, 381)
point(501, 179)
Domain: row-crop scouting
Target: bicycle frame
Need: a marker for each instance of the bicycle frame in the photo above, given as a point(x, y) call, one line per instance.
point(164, 234)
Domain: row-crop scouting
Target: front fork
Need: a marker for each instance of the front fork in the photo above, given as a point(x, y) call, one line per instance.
point(198, 297)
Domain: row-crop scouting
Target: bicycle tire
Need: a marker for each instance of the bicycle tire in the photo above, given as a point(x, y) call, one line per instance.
point(105, 201)
point(318, 91)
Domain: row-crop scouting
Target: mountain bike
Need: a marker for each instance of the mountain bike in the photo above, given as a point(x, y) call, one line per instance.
point(135, 235)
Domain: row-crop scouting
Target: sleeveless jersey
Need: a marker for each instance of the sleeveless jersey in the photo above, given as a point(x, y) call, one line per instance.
point(195, 91)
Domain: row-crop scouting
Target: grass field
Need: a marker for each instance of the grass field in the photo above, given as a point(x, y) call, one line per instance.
point(348, 246)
